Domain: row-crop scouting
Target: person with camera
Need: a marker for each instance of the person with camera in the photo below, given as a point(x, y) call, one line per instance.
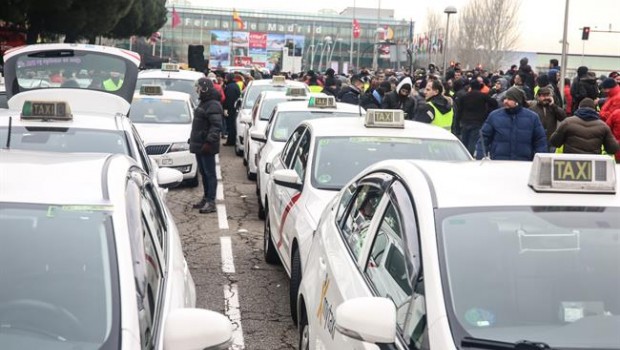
point(204, 140)
point(548, 111)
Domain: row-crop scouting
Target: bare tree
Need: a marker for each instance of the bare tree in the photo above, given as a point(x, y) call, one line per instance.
point(486, 31)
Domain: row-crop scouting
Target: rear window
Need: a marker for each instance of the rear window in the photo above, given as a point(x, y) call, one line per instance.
point(159, 111)
point(180, 85)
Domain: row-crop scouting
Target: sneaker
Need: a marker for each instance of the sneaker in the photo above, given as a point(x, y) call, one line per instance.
point(200, 204)
point(208, 208)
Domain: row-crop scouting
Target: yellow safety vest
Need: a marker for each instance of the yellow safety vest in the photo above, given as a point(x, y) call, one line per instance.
point(442, 120)
point(315, 88)
point(109, 85)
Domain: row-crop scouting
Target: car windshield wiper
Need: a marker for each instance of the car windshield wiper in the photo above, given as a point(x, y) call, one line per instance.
point(469, 342)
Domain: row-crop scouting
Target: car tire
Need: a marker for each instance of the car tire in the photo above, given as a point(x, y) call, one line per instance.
point(245, 162)
point(270, 252)
point(304, 333)
point(261, 210)
point(239, 152)
point(193, 182)
point(295, 281)
point(251, 176)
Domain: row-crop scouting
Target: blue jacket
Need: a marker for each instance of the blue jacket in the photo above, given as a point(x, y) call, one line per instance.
point(512, 134)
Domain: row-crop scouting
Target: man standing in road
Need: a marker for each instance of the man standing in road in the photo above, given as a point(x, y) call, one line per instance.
point(470, 113)
point(204, 141)
point(232, 92)
point(549, 113)
point(512, 132)
point(401, 98)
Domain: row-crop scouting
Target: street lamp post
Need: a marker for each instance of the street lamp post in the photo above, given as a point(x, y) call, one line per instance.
point(328, 41)
point(331, 53)
point(449, 10)
point(563, 68)
point(375, 55)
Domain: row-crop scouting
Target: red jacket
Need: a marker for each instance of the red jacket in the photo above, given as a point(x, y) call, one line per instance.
point(614, 124)
point(612, 104)
point(569, 100)
point(219, 89)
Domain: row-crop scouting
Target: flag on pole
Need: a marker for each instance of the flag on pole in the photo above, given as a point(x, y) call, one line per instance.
point(176, 19)
point(411, 32)
point(356, 29)
point(238, 20)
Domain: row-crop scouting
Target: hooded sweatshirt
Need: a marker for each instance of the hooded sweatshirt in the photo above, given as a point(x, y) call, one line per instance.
point(584, 133)
point(394, 100)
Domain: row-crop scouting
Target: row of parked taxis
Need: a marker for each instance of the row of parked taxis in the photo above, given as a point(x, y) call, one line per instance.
point(90, 256)
point(394, 238)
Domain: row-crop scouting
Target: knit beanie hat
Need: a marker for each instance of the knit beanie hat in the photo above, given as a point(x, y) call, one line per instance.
point(515, 94)
point(587, 103)
point(608, 83)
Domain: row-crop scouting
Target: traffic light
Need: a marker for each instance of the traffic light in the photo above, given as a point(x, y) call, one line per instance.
point(585, 34)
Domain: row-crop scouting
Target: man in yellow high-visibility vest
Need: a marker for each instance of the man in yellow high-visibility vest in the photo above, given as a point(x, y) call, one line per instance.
point(114, 82)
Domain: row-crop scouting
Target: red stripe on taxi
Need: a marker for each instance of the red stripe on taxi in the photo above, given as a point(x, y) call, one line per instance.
point(288, 208)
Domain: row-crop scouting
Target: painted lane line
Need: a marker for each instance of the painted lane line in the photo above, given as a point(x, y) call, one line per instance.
point(218, 173)
point(233, 312)
point(217, 159)
point(222, 217)
point(219, 193)
point(228, 263)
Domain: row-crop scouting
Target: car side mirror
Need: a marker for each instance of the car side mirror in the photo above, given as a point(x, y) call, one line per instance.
point(368, 319)
point(287, 178)
point(238, 104)
point(196, 329)
point(258, 136)
point(168, 177)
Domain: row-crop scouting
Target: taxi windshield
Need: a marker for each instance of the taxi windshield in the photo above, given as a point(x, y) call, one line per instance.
point(288, 121)
point(59, 278)
point(338, 159)
point(268, 105)
point(180, 85)
point(254, 90)
point(159, 111)
point(545, 274)
point(58, 139)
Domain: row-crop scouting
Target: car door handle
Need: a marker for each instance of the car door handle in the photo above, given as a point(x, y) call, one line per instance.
point(322, 264)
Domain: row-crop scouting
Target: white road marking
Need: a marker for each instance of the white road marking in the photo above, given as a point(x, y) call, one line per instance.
point(222, 217)
point(219, 194)
point(233, 312)
point(218, 173)
point(217, 159)
point(228, 263)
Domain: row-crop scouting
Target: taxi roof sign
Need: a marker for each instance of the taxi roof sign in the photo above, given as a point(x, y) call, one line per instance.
point(322, 102)
point(385, 118)
point(296, 92)
point(151, 90)
point(170, 67)
point(278, 80)
point(46, 110)
point(573, 173)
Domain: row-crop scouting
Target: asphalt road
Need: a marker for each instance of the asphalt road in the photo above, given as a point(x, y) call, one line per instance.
point(252, 293)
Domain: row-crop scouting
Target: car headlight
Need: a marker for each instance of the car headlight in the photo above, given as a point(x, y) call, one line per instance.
point(179, 147)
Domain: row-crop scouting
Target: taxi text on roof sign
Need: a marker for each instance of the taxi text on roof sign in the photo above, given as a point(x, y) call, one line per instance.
point(278, 80)
point(170, 67)
point(153, 90)
point(46, 110)
point(573, 173)
point(385, 118)
point(322, 102)
point(295, 91)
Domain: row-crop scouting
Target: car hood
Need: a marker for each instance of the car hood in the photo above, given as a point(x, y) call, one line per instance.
point(79, 100)
point(163, 133)
point(316, 202)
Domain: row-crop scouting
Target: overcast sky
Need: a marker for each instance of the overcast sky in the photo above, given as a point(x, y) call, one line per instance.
point(541, 21)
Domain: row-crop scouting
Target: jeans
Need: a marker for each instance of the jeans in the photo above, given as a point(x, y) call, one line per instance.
point(469, 136)
point(206, 167)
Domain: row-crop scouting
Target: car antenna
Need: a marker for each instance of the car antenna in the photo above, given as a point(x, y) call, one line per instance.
point(8, 138)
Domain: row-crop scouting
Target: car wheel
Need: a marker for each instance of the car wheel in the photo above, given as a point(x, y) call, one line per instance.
point(251, 176)
point(261, 210)
point(304, 333)
point(245, 162)
point(294, 283)
point(193, 182)
point(239, 152)
point(271, 255)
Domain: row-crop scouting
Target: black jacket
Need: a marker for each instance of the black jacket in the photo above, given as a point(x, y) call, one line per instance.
point(426, 113)
point(473, 108)
point(232, 93)
point(207, 125)
point(394, 100)
point(351, 95)
point(368, 101)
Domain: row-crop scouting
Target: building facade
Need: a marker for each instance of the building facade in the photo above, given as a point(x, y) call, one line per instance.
point(258, 38)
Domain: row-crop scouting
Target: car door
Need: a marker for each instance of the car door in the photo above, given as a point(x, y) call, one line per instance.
point(290, 197)
point(276, 204)
point(341, 249)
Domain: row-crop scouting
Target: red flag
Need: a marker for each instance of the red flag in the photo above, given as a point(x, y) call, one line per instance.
point(176, 19)
point(356, 29)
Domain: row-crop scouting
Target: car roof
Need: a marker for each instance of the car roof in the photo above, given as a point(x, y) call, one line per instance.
point(52, 178)
point(295, 106)
point(355, 127)
point(167, 94)
point(268, 82)
point(127, 54)
point(83, 121)
point(491, 183)
point(180, 74)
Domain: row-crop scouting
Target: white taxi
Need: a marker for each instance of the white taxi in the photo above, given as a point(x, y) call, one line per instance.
point(164, 120)
point(261, 112)
point(171, 77)
point(286, 116)
point(474, 255)
point(246, 103)
point(90, 258)
point(52, 126)
point(319, 158)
